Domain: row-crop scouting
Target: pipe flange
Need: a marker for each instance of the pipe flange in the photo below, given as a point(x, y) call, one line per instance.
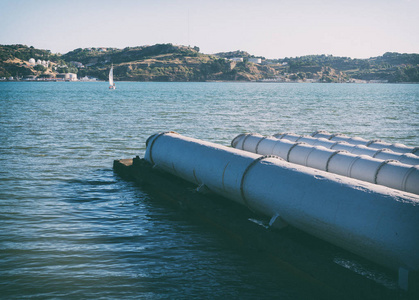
point(319, 131)
point(245, 138)
point(412, 169)
point(349, 174)
point(382, 165)
point(309, 153)
point(337, 135)
point(254, 162)
point(372, 141)
point(292, 147)
point(280, 136)
point(381, 150)
point(240, 135)
point(257, 145)
point(338, 143)
point(331, 156)
point(299, 138)
point(154, 140)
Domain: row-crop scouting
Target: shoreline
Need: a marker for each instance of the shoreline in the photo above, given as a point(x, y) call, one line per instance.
point(213, 81)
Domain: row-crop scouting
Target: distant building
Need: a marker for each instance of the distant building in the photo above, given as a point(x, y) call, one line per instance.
point(72, 76)
point(88, 78)
point(237, 59)
point(378, 81)
point(32, 61)
point(255, 60)
point(29, 77)
point(67, 76)
point(77, 64)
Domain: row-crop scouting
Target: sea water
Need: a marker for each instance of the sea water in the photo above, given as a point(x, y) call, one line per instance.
point(71, 228)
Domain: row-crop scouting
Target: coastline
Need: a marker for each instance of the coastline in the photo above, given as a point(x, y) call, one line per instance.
point(218, 81)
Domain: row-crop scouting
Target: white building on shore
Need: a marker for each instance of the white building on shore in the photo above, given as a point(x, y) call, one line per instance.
point(255, 60)
point(67, 76)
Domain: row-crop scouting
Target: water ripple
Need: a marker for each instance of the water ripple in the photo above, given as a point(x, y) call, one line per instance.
point(71, 229)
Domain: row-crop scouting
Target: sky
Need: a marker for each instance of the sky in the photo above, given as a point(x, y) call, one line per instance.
point(267, 28)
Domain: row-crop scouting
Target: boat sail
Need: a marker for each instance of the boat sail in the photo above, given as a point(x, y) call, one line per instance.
point(111, 83)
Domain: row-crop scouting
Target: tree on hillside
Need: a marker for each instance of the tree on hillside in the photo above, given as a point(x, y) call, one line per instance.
point(40, 68)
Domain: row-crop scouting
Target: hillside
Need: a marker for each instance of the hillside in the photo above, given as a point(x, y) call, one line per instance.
point(14, 60)
point(162, 62)
point(167, 62)
point(391, 67)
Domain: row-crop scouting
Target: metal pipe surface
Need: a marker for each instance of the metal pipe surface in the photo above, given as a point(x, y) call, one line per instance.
point(399, 176)
point(376, 144)
point(352, 147)
point(376, 222)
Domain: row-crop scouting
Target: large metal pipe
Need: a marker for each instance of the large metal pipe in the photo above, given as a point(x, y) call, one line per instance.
point(376, 144)
point(383, 153)
point(375, 222)
point(383, 172)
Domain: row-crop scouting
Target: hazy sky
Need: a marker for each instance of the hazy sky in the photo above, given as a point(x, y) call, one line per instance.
point(269, 28)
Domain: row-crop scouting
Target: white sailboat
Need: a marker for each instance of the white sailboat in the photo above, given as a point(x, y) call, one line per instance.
point(111, 83)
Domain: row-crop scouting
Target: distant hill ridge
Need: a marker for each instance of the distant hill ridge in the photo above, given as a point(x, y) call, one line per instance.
point(168, 62)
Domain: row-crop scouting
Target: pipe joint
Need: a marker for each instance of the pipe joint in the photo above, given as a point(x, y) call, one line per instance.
point(156, 136)
point(251, 165)
point(380, 166)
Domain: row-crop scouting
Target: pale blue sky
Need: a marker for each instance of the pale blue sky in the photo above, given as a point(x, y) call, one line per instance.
point(274, 29)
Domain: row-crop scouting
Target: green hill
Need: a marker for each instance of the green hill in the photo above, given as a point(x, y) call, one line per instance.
point(391, 67)
point(167, 62)
point(14, 60)
point(162, 62)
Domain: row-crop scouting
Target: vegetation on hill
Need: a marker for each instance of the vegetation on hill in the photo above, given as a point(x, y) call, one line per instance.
point(237, 53)
point(162, 62)
point(167, 62)
point(391, 67)
point(14, 61)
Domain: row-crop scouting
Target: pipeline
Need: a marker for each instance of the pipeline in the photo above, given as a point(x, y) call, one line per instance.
point(388, 173)
point(383, 153)
point(375, 222)
point(375, 144)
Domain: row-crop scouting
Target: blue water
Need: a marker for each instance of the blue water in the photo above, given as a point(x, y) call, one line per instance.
point(71, 228)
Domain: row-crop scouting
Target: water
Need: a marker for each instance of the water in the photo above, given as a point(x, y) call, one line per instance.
point(70, 228)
